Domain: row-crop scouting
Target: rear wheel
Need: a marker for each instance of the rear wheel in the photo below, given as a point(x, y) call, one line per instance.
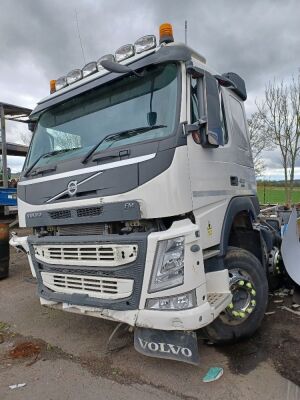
point(249, 287)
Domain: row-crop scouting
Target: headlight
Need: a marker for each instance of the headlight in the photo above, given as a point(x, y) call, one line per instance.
point(109, 57)
point(145, 43)
point(89, 68)
point(168, 269)
point(74, 76)
point(124, 52)
point(183, 301)
point(61, 83)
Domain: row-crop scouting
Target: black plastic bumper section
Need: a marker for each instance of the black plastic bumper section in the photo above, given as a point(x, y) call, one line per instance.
point(134, 270)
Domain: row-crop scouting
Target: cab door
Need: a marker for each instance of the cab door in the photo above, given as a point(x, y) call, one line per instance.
point(218, 169)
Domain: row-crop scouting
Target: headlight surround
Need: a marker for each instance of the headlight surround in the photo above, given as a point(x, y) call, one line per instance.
point(183, 301)
point(168, 268)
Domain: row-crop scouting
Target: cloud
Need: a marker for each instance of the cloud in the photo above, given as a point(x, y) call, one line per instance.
point(257, 39)
point(39, 39)
point(15, 163)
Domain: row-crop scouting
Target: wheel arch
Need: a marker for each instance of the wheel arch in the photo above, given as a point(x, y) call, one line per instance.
point(237, 229)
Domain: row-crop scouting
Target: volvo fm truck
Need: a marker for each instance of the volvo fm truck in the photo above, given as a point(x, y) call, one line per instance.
point(140, 189)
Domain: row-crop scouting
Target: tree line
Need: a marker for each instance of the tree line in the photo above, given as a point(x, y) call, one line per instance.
point(276, 125)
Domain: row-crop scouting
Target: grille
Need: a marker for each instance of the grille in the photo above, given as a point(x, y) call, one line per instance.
point(89, 212)
point(110, 255)
point(93, 286)
point(60, 214)
point(82, 230)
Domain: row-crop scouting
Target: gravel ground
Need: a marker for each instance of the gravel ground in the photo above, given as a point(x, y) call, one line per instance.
point(60, 355)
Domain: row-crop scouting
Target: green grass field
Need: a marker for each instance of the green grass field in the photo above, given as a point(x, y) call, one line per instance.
point(274, 194)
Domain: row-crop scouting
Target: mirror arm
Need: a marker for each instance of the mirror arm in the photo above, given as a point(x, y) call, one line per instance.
point(190, 128)
point(117, 68)
point(223, 81)
point(194, 71)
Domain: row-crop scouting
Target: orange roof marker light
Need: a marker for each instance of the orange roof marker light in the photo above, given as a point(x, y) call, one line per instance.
point(52, 86)
point(166, 33)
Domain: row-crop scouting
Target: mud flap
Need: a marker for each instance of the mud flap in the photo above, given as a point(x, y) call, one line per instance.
point(172, 345)
point(290, 248)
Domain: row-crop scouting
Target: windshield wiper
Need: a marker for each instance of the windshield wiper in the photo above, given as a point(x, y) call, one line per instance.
point(45, 155)
point(126, 133)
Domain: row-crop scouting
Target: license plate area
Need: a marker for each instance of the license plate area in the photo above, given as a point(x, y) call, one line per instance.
point(172, 345)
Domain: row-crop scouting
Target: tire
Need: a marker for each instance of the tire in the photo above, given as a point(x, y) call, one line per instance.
point(249, 285)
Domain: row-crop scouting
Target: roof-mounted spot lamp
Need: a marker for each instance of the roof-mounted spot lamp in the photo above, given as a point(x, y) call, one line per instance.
point(166, 33)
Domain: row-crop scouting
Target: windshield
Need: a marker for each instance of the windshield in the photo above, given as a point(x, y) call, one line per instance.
point(73, 128)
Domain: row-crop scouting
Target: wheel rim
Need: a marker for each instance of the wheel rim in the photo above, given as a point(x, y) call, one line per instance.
point(243, 297)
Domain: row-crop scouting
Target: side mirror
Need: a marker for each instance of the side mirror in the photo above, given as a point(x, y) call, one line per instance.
point(209, 126)
point(32, 125)
point(213, 108)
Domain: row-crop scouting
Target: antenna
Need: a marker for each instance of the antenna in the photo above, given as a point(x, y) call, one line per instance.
point(185, 31)
point(79, 36)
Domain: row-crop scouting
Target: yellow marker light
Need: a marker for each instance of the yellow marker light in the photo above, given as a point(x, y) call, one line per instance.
point(166, 33)
point(52, 86)
point(248, 284)
point(253, 303)
point(253, 292)
point(241, 283)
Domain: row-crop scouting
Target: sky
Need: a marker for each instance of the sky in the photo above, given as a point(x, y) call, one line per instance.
point(258, 39)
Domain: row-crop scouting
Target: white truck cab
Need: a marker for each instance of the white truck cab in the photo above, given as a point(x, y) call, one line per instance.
point(140, 189)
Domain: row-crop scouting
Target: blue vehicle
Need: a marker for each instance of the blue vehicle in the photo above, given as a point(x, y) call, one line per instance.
point(8, 191)
point(8, 196)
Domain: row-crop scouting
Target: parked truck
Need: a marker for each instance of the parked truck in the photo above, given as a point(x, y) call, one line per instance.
point(140, 189)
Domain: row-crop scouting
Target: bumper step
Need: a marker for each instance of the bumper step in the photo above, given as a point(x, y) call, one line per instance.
point(219, 301)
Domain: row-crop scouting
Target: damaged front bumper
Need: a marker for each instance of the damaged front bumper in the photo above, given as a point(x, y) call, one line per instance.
point(60, 278)
point(156, 330)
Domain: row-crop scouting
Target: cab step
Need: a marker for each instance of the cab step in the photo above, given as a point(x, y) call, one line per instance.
point(219, 301)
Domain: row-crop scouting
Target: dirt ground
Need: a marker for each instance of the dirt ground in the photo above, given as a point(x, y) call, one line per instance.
point(60, 355)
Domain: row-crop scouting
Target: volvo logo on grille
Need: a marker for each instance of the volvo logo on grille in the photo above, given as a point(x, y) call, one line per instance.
point(72, 188)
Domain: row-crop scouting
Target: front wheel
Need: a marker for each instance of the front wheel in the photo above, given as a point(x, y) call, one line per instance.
point(249, 287)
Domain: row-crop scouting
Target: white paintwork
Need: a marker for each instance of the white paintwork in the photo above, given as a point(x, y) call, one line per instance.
point(210, 171)
point(217, 282)
point(170, 194)
point(22, 242)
